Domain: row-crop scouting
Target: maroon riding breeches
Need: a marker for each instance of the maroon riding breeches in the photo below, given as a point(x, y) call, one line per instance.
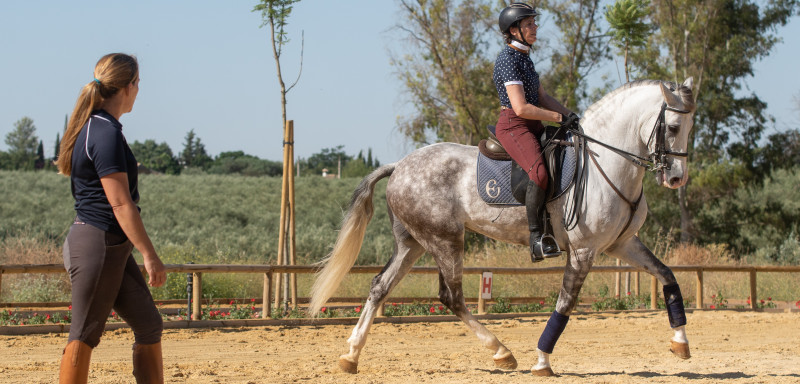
point(520, 138)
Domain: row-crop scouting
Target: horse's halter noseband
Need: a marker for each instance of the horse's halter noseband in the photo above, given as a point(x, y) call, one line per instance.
point(658, 158)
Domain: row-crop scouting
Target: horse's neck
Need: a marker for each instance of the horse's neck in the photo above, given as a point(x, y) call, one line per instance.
point(619, 122)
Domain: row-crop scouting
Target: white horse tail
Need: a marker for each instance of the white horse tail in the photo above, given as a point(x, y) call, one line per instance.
point(348, 244)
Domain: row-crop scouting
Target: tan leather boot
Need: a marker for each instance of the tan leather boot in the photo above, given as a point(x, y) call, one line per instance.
point(148, 367)
point(75, 363)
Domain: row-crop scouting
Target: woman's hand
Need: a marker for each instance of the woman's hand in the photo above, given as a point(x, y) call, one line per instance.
point(155, 270)
point(570, 121)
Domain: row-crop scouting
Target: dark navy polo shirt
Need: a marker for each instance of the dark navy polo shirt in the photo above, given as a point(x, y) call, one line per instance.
point(514, 67)
point(100, 150)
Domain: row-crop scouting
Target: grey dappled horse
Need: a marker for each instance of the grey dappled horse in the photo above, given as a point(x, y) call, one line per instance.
point(432, 198)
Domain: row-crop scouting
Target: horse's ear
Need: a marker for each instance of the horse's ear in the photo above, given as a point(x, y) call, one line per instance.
point(670, 98)
point(689, 82)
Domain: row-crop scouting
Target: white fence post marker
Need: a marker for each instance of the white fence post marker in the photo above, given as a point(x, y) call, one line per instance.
point(486, 286)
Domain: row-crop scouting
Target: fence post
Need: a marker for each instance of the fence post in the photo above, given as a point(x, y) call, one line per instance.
point(197, 295)
point(189, 294)
point(1, 285)
point(266, 305)
point(699, 289)
point(481, 303)
point(753, 293)
point(653, 292)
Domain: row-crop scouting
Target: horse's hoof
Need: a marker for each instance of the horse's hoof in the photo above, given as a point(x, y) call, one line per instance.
point(508, 362)
point(543, 372)
point(348, 366)
point(679, 349)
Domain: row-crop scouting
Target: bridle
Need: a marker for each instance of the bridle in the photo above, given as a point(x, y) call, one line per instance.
point(658, 158)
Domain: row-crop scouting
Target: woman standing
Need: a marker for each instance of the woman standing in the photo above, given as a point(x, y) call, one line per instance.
point(97, 251)
point(524, 104)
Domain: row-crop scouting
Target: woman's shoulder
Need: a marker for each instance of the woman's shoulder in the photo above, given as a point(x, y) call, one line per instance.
point(100, 128)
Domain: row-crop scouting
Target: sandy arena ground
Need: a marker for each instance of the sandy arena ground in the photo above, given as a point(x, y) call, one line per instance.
point(726, 346)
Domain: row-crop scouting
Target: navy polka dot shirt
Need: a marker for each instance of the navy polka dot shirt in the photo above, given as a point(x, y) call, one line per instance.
point(514, 67)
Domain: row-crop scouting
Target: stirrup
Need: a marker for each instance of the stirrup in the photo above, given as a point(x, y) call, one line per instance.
point(539, 255)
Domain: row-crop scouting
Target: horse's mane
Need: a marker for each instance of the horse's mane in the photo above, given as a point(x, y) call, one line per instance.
point(685, 93)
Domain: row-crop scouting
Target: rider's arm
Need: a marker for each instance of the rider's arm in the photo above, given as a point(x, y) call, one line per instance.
point(516, 95)
point(548, 102)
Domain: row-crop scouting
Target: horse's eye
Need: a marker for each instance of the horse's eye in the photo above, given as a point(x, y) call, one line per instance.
point(674, 128)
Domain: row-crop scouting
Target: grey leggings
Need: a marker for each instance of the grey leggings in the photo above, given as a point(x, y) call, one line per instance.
point(105, 276)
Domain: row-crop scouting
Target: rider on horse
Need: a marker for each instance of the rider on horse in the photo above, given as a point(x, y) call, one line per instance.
point(524, 104)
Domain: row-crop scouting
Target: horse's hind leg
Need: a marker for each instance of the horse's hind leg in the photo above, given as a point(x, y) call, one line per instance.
point(633, 252)
point(449, 257)
point(407, 251)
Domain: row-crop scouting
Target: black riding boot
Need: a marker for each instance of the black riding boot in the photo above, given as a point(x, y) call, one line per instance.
point(542, 245)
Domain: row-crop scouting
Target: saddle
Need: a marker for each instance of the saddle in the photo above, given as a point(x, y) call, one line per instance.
point(502, 182)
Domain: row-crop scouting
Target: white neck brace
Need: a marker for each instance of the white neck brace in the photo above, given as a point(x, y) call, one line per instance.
point(521, 46)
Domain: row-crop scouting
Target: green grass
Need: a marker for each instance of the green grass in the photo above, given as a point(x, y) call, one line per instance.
point(202, 218)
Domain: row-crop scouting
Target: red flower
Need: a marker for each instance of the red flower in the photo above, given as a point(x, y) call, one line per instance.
point(70, 307)
point(394, 304)
point(66, 318)
point(323, 309)
point(232, 301)
point(769, 299)
point(797, 304)
point(433, 310)
point(253, 308)
point(712, 306)
point(48, 316)
point(358, 309)
point(628, 293)
point(541, 303)
point(713, 296)
point(252, 300)
point(762, 301)
point(441, 308)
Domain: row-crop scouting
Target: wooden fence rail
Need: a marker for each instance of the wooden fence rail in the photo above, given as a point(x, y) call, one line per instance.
point(269, 271)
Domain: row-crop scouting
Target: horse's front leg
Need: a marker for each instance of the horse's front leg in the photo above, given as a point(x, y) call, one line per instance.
point(580, 262)
point(633, 252)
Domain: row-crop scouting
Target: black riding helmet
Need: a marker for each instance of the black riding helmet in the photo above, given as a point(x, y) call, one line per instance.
point(512, 15)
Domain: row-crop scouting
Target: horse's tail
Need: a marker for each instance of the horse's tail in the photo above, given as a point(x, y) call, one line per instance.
point(338, 263)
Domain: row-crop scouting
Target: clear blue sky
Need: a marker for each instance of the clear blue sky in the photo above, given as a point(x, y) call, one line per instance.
point(206, 65)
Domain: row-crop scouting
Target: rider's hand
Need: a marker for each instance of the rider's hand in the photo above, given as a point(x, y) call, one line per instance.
point(570, 122)
point(155, 270)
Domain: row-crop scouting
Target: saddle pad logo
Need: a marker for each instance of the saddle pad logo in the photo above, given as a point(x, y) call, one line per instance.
point(492, 190)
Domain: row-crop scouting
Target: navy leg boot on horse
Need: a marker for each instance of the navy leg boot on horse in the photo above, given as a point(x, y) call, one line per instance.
point(542, 244)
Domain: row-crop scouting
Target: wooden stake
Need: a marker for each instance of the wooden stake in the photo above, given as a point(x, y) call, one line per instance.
point(292, 252)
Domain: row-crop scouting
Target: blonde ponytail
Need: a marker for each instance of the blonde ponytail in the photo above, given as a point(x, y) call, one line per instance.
point(112, 73)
